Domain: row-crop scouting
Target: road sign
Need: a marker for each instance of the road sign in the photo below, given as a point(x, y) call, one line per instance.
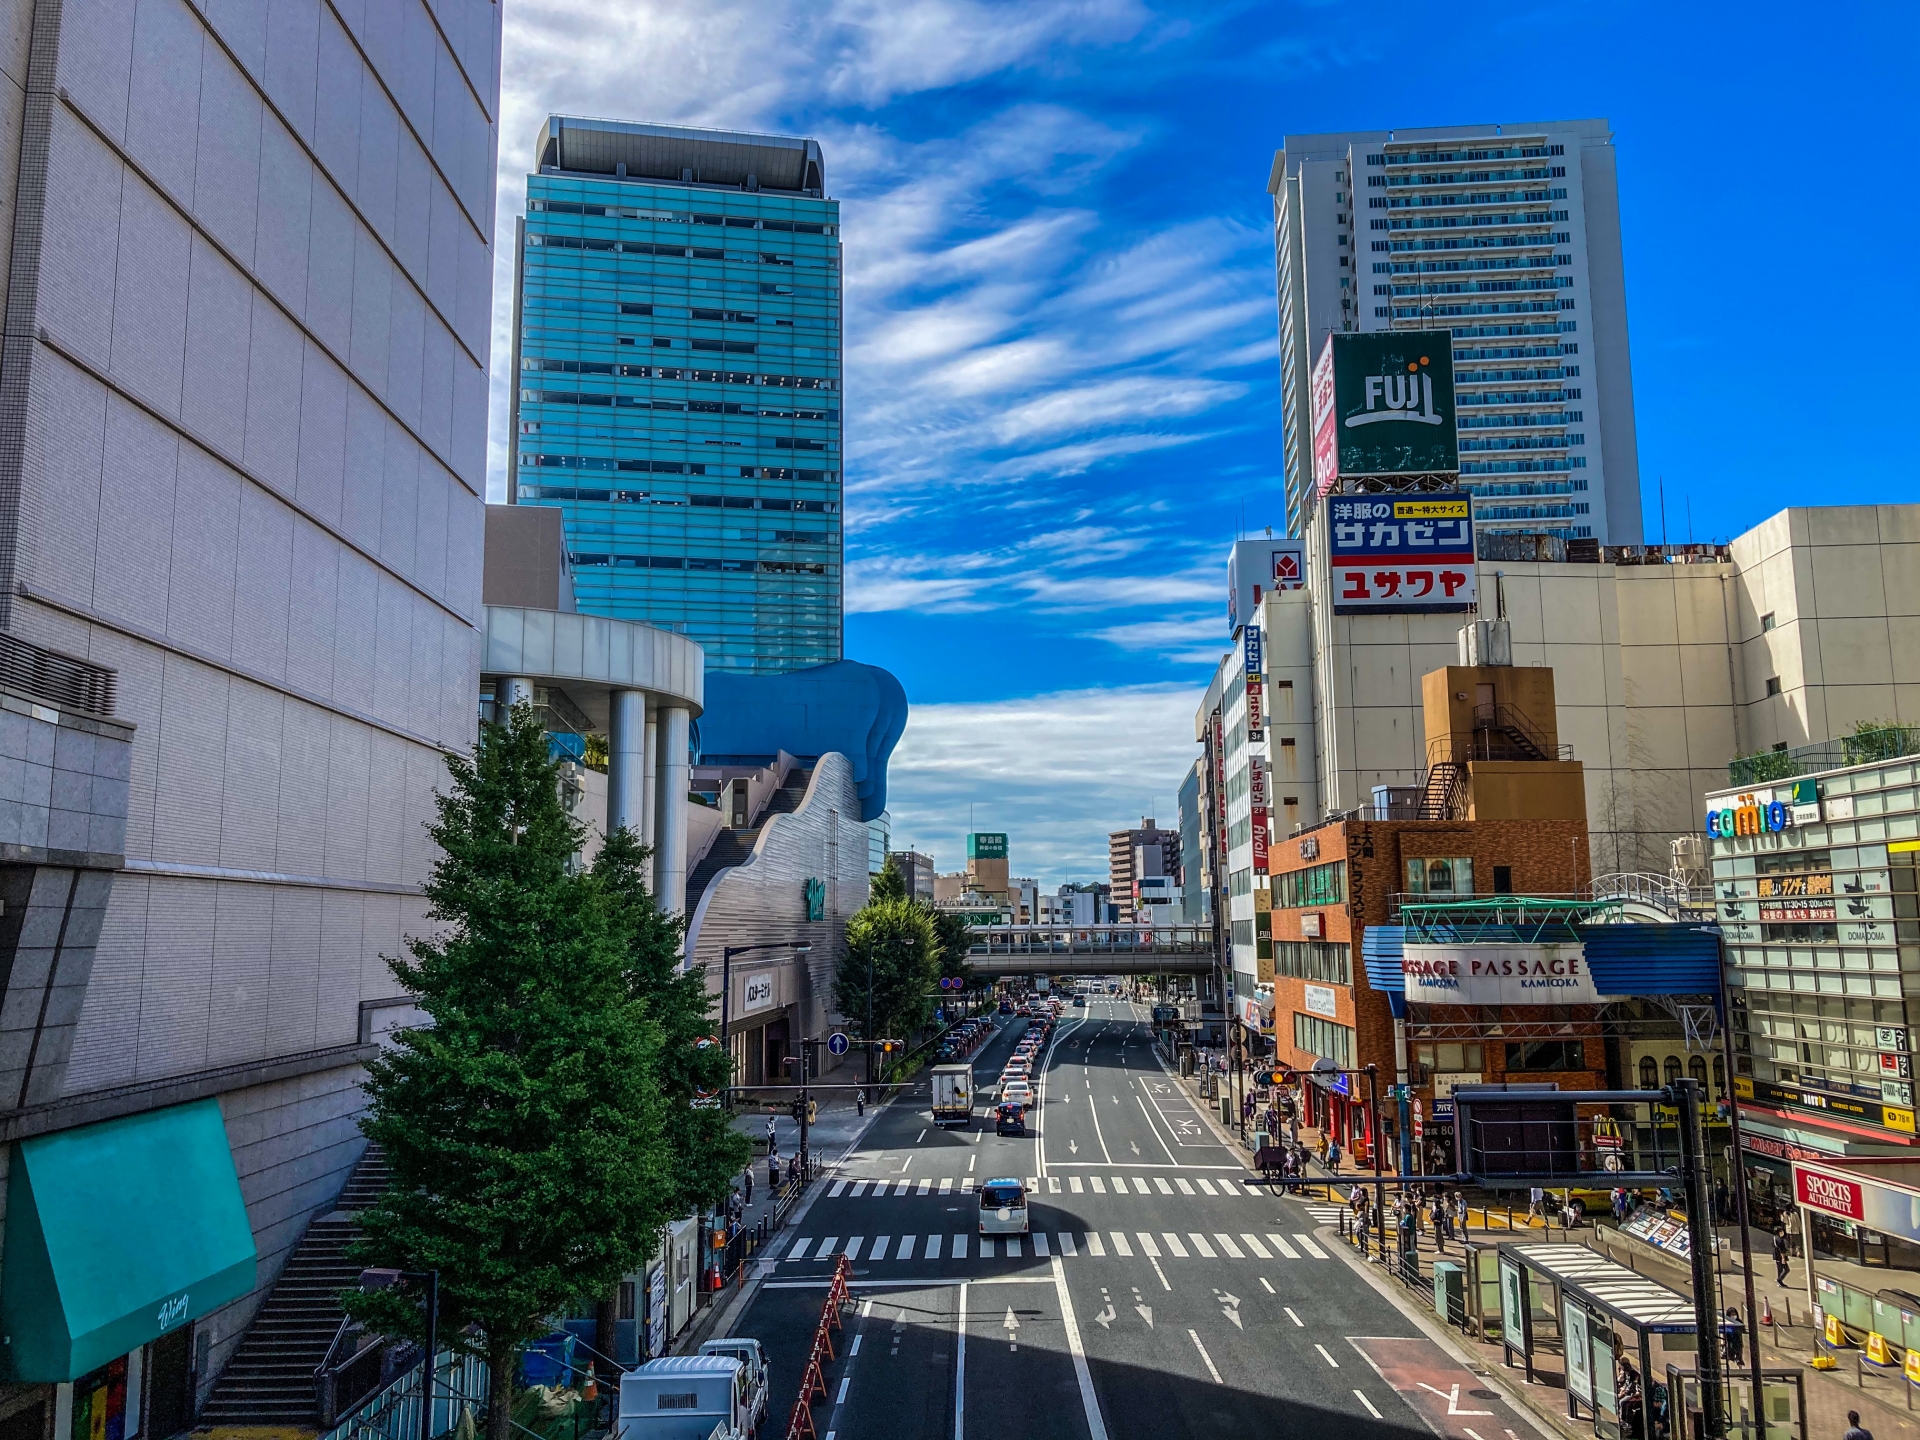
point(837, 1043)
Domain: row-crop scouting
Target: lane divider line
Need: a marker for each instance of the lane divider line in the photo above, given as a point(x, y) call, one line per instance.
point(1212, 1369)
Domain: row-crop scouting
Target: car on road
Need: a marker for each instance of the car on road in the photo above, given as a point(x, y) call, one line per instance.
point(1079, 1002)
point(1009, 1118)
point(1003, 1207)
point(1019, 1090)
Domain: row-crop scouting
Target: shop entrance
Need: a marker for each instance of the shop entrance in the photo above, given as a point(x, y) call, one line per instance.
point(170, 1384)
point(779, 1046)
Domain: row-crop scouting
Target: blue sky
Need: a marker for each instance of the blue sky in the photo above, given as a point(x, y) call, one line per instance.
point(1061, 392)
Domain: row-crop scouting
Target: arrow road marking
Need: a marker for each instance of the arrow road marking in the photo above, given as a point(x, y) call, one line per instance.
point(1145, 1312)
point(1073, 1146)
point(1453, 1402)
point(1012, 1326)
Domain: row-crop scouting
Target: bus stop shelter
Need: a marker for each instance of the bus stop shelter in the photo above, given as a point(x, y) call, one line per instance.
point(1590, 1301)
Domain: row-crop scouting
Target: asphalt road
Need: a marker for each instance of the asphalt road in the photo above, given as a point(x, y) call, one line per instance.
point(1156, 1294)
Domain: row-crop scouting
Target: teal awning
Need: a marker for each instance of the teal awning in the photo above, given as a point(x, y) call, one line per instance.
point(116, 1234)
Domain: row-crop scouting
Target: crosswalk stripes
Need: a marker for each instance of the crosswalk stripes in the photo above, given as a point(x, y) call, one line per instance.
point(1119, 1185)
point(1093, 1244)
point(1327, 1214)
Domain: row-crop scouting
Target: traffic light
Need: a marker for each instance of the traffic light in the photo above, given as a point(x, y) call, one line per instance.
point(813, 1113)
point(796, 1109)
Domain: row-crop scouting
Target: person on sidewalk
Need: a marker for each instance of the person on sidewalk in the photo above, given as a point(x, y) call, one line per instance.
point(746, 1181)
point(1536, 1204)
point(1855, 1431)
point(1323, 1147)
point(773, 1137)
point(860, 1101)
point(1735, 1338)
point(1782, 1256)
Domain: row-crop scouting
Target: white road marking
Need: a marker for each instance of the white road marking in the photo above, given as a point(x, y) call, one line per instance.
point(926, 1186)
point(853, 1246)
point(904, 1251)
point(1073, 1184)
point(1161, 1273)
point(1269, 1289)
point(1226, 1244)
point(1254, 1245)
point(1096, 1247)
point(1099, 1185)
point(960, 1367)
point(946, 1187)
point(854, 1349)
point(825, 1247)
point(1323, 1352)
point(1096, 1427)
point(1147, 1247)
point(1173, 1244)
point(1293, 1317)
point(1141, 1185)
point(799, 1251)
point(1211, 1368)
point(1200, 1244)
point(841, 1398)
point(921, 1136)
point(932, 1251)
point(836, 1190)
point(1312, 1249)
point(1066, 1245)
point(1206, 1185)
point(1185, 1188)
point(959, 1250)
point(1161, 1185)
point(1279, 1243)
point(879, 1250)
point(859, 1188)
point(1120, 1245)
point(1361, 1397)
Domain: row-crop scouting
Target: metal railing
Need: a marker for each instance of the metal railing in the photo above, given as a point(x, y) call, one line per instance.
point(460, 1380)
point(1660, 892)
point(60, 680)
point(355, 1365)
point(1864, 747)
point(1083, 939)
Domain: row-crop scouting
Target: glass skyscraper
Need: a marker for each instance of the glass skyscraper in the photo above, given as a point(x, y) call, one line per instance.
point(677, 338)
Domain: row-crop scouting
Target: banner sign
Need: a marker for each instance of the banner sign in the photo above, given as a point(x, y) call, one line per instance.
point(1401, 554)
point(1825, 1192)
point(1383, 405)
point(1255, 659)
point(1498, 975)
point(1790, 898)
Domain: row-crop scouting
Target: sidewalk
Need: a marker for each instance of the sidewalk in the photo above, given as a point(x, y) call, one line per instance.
point(1829, 1394)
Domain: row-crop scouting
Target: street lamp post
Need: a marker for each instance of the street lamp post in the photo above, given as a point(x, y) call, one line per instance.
point(372, 1280)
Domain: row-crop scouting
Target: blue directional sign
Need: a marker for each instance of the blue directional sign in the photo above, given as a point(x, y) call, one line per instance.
point(837, 1043)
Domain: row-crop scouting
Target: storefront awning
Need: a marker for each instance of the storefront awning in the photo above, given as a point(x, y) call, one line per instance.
point(1624, 959)
point(116, 1234)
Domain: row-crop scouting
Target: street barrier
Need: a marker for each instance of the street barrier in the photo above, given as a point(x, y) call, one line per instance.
point(813, 1383)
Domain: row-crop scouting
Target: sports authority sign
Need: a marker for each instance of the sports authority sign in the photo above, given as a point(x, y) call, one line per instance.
point(1498, 975)
point(1400, 554)
point(1829, 1193)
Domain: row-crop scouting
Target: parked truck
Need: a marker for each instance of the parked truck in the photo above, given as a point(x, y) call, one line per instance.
point(710, 1396)
point(953, 1095)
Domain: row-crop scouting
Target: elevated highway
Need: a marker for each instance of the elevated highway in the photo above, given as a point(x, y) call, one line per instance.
point(1092, 950)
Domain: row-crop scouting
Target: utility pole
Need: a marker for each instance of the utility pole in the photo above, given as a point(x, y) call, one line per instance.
point(1739, 1176)
point(1685, 1095)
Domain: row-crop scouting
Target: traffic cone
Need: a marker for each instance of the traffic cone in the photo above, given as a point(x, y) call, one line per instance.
point(592, 1389)
point(1766, 1310)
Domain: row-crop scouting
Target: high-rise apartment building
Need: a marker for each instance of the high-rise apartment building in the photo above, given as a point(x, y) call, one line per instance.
point(1509, 236)
point(677, 356)
point(243, 428)
point(1135, 855)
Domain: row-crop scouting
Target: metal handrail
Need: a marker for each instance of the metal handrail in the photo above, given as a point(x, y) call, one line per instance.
point(1662, 892)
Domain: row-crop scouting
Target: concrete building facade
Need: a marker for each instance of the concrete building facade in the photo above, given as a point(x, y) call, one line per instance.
point(243, 404)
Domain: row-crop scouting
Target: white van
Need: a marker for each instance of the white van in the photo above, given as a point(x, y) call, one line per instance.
point(1003, 1208)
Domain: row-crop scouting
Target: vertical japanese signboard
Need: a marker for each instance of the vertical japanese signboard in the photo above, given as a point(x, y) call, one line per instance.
point(1400, 554)
point(1257, 801)
point(1256, 699)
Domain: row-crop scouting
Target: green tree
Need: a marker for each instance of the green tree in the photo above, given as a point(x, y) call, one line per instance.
point(707, 1152)
point(893, 941)
point(954, 939)
point(889, 884)
point(525, 1128)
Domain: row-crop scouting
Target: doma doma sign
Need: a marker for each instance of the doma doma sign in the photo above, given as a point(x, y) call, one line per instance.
point(1498, 975)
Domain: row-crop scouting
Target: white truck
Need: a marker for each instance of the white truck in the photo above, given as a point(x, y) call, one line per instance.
point(952, 1095)
point(715, 1395)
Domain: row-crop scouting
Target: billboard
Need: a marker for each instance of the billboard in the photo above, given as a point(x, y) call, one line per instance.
point(1498, 974)
point(1400, 554)
point(1256, 568)
point(1383, 405)
point(987, 847)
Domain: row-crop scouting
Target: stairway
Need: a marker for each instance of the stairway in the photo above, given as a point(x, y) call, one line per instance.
point(270, 1381)
point(1437, 798)
point(732, 847)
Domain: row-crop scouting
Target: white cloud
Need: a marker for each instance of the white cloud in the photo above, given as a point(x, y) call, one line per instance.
point(1056, 772)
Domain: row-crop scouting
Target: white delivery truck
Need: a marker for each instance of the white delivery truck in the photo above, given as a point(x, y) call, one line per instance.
point(953, 1095)
point(691, 1397)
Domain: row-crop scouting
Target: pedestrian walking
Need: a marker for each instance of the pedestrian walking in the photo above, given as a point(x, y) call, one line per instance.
point(773, 1137)
point(860, 1101)
point(1460, 1211)
point(1536, 1203)
point(1855, 1431)
point(1323, 1148)
point(1246, 1108)
point(773, 1170)
point(1333, 1155)
point(1782, 1256)
point(746, 1180)
point(1734, 1337)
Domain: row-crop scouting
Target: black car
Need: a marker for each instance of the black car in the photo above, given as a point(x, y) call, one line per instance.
point(1009, 1120)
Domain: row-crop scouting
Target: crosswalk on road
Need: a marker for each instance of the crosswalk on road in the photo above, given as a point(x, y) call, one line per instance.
point(1068, 1245)
point(1130, 1186)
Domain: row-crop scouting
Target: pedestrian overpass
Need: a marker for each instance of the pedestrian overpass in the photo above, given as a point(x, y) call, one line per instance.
point(1092, 950)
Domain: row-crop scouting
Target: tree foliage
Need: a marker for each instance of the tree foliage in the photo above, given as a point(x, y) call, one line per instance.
point(534, 1129)
point(889, 884)
point(893, 940)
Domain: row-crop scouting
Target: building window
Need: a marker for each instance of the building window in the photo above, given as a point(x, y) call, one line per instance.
point(1673, 1068)
point(1720, 1073)
point(1766, 621)
point(1561, 1055)
point(1649, 1073)
point(1440, 877)
point(1503, 879)
point(1313, 960)
point(1315, 885)
point(1773, 685)
point(1697, 1068)
point(1324, 1039)
point(1450, 1059)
